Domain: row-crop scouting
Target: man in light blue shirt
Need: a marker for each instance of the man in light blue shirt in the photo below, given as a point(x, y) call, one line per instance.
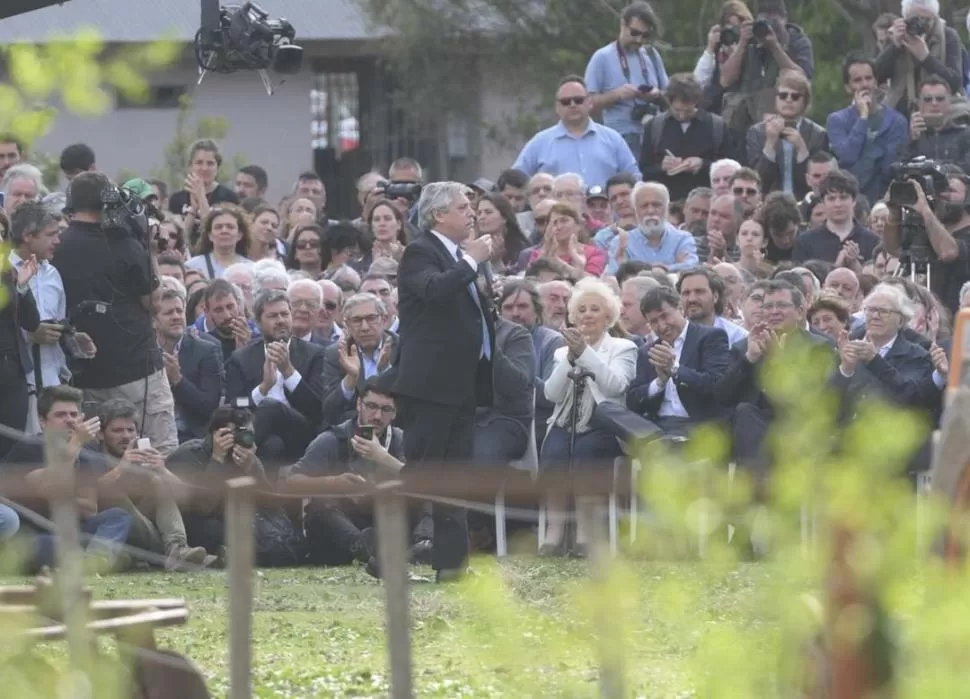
point(618, 74)
point(654, 240)
point(577, 143)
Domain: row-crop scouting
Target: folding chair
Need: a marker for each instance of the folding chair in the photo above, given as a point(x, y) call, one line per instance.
point(528, 462)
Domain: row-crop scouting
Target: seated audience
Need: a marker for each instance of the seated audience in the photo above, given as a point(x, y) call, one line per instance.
point(704, 298)
point(721, 173)
point(655, 240)
point(224, 241)
point(564, 233)
point(611, 363)
point(781, 222)
point(841, 240)
point(555, 297)
point(829, 315)
point(632, 319)
point(676, 375)
point(225, 317)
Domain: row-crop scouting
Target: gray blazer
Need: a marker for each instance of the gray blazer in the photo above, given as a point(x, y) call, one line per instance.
point(546, 341)
point(513, 372)
point(770, 171)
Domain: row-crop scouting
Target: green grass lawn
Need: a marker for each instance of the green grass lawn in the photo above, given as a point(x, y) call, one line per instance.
point(319, 632)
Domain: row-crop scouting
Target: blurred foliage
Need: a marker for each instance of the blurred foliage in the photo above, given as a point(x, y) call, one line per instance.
point(175, 163)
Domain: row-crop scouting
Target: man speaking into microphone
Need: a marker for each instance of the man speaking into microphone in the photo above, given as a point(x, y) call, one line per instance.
point(447, 339)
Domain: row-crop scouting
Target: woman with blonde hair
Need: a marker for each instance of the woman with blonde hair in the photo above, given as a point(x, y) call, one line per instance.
point(606, 366)
point(562, 241)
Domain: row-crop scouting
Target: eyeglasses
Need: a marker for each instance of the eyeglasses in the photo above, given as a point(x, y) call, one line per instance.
point(877, 312)
point(383, 409)
point(307, 244)
point(777, 306)
point(576, 101)
point(742, 191)
point(940, 99)
point(787, 96)
point(371, 319)
point(330, 305)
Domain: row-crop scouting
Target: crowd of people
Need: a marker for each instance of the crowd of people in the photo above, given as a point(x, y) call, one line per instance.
point(625, 276)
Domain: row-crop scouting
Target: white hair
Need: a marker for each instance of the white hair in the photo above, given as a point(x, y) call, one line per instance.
point(24, 171)
point(167, 283)
point(590, 286)
point(880, 206)
point(569, 176)
point(931, 5)
point(724, 162)
point(306, 284)
point(436, 198)
point(348, 276)
point(405, 164)
point(656, 187)
point(360, 299)
point(327, 284)
point(245, 268)
point(641, 285)
point(266, 274)
point(897, 297)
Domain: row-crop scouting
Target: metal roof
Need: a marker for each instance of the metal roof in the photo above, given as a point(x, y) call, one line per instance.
point(138, 21)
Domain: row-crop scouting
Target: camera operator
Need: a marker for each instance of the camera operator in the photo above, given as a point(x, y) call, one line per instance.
point(920, 44)
point(112, 271)
point(932, 131)
point(626, 78)
point(948, 235)
point(722, 38)
point(765, 48)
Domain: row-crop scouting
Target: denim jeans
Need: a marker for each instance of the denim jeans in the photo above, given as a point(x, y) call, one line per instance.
point(9, 522)
point(108, 529)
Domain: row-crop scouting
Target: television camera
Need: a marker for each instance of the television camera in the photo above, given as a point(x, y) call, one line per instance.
point(244, 37)
point(914, 242)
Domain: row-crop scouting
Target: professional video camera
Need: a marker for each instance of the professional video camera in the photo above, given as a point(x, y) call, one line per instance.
point(235, 38)
point(123, 210)
point(400, 190)
point(914, 241)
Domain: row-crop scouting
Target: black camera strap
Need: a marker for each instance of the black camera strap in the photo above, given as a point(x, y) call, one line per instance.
point(625, 64)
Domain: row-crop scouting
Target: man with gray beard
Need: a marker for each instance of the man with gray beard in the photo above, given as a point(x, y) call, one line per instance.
point(655, 240)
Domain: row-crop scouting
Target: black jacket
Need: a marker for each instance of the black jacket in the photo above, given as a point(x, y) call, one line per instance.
point(771, 179)
point(441, 330)
point(244, 371)
point(903, 377)
point(697, 141)
point(335, 408)
point(197, 395)
point(704, 360)
point(513, 373)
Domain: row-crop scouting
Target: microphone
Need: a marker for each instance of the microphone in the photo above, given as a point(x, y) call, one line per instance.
point(490, 288)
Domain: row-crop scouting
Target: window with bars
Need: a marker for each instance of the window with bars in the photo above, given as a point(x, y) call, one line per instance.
point(335, 112)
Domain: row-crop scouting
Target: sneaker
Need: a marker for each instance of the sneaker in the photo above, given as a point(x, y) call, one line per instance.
point(179, 554)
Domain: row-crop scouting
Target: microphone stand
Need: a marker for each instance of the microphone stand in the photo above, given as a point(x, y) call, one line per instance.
point(578, 376)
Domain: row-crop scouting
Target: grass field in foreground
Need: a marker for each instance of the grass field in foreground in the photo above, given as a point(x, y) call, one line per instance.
point(318, 632)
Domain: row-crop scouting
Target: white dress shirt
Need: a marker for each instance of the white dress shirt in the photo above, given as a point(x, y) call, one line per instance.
point(48, 291)
point(671, 405)
point(276, 391)
point(452, 248)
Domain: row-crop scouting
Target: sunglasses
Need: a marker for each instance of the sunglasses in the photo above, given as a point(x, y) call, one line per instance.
point(637, 33)
point(575, 101)
point(330, 305)
point(934, 98)
point(307, 244)
point(742, 191)
point(541, 220)
point(788, 96)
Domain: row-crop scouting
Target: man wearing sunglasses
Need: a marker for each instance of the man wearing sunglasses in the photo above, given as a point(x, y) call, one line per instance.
point(779, 147)
point(628, 74)
point(932, 133)
point(577, 144)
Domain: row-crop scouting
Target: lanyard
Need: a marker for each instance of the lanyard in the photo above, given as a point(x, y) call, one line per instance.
point(625, 64)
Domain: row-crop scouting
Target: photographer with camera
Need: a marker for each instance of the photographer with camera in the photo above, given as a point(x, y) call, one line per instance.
point(627, 77)
point(109, 280)
point(932, 130)
point(765, 48)
point(947, 231)
point(920, 45)
point(722, 38)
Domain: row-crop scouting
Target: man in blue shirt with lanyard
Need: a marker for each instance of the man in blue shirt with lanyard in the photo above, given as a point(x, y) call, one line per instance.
point(627, 74)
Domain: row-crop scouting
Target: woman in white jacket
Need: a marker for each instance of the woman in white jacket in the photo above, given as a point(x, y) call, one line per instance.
point(610, 364)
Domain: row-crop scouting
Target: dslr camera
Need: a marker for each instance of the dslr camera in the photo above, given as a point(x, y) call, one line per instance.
point(760, 29)
point(400, 190)
point(642, 108)
point(917, 25)
point(730, 35)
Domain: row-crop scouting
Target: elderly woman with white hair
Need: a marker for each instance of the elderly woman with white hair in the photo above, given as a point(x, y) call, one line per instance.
point(884, 362)
point(609, 365)
point(920, 45)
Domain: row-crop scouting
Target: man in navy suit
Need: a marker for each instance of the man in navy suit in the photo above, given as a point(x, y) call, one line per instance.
point(193, 364)
point(447, 342)
point(676, 375)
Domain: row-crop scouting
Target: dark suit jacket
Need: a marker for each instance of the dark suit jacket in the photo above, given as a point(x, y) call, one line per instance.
point(337, 409)
point(441, 330)
point(742, 382)
point(513, 373)
point(704, 360)
point(197, 395)
point(815, 138)
point(903, 377)
point(244, 371)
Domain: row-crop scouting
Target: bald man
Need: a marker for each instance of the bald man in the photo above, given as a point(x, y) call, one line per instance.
point(845, 284)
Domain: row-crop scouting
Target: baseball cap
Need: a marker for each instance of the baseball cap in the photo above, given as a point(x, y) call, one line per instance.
point(483, 185)
point(140, 188)
point(596, 192)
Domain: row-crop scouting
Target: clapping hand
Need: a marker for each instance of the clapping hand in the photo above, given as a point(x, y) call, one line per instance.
point(349, 359)
point(865, 350)
point(26, 271)
point(85, 431)
point(172, 368)
point(269, 374)
point(758, 342)
point(575, 342)
point(849, 255)
point(774, 125)
point(662, 359)
point(241, 332)
point(940, 361)
point(279, 354)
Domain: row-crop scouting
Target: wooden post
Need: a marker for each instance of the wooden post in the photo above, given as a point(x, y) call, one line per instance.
point(392, 529)
point(241, 546)
point(611, 659)
point(70, 559)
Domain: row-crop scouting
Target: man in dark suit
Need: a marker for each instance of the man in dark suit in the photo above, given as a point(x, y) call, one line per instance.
point(447, 342)
point(194, 366)
point(676, 376)
point(782, 325)
point(280, 377)
point(365, 351)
